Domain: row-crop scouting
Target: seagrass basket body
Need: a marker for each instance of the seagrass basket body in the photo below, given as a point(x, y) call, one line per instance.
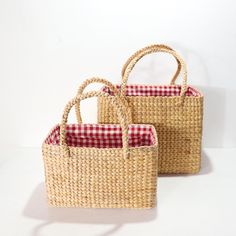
point(101, 166)
point(175, 111)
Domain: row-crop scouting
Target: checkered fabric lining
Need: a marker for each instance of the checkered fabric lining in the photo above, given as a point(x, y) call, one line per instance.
point(102, 136)
point(151, 90)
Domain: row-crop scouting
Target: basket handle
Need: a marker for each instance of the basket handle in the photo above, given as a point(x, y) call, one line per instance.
point(154, 49)
point(115, 101)
point(125, 105)
point(149, 47)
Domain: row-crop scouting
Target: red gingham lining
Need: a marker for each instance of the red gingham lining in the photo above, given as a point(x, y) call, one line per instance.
point(102, 136)
point(155, 90)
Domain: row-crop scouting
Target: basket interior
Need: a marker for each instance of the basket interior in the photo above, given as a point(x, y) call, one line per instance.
point(155, 90)
point(103, 136)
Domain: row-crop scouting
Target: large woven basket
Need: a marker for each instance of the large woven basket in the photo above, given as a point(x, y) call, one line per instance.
point(101, 166)
point(176, 111)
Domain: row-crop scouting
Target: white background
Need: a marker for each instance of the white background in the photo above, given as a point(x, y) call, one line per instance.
point(48, 47)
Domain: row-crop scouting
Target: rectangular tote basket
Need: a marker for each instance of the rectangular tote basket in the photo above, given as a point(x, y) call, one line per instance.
point(176, 111)
point(101, 166)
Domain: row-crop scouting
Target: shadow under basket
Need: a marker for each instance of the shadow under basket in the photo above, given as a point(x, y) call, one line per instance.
point(92, 171)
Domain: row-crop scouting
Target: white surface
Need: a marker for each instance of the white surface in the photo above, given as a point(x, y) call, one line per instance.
point(203, 204)
point(48, 47)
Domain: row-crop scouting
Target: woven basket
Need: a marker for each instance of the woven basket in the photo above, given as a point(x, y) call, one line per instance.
point(176, 111)
point(101, 166)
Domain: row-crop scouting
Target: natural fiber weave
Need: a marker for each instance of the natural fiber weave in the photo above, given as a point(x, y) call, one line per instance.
point(111, 87)
point(123, 177)
point(148, 48)
point(177, 119)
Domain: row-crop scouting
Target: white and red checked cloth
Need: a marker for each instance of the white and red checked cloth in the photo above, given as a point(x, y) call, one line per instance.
point(155, 90)
point(102, 136)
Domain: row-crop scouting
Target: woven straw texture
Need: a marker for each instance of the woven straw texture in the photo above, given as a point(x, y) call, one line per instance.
point(111, 87)
point(94, 177)
point(177, 118)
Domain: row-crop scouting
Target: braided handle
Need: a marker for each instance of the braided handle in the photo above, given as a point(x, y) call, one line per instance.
point(114, 102)
point(125, 105)
point(149, 51)
point(148, 48)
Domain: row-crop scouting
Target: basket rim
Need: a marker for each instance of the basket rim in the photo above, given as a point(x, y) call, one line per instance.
point(196, 90)
point(152, 128)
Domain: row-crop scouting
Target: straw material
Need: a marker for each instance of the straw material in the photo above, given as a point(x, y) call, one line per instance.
point(111, 87)
point(177, 118)
point(123, 177)
point(148, 48)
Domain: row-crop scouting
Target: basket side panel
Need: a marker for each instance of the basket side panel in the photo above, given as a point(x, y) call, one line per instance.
point(101, 178)
point(179, 129)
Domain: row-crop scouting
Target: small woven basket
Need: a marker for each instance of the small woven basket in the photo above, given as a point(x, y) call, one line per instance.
point(101, 166)
point(176, 111)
